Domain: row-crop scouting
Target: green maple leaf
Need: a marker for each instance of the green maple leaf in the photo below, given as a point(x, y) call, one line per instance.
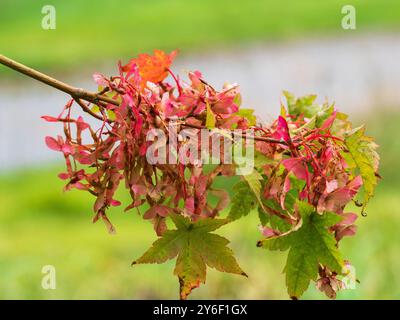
point(365, 158)
point(261, 160)
point(243, 201)
point(195, 248)
point(312, 244)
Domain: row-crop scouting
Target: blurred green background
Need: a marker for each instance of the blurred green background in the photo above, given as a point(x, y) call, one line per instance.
point(40, 225)
point(89, 31)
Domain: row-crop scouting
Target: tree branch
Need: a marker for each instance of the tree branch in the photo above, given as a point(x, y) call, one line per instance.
point(76, 93)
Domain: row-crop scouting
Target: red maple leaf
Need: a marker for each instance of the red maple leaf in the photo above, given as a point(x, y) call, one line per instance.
point(152, 68)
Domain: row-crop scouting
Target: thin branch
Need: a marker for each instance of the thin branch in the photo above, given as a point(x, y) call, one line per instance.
point(87, 109)
point(79, 94)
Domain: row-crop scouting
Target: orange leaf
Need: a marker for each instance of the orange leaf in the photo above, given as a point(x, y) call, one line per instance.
point(152, 68)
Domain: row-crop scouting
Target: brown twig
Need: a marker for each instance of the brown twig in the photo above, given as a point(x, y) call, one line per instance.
point(79, 94)
point(76, 93)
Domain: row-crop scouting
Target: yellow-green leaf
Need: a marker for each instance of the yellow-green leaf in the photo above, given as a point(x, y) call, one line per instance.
point(196, 248)
point(243, 201)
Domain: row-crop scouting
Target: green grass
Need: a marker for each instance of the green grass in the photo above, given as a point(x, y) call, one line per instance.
point(40, 225)
point(89, 32)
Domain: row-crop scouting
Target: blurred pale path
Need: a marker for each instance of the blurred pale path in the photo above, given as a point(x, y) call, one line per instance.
point(357, 72)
